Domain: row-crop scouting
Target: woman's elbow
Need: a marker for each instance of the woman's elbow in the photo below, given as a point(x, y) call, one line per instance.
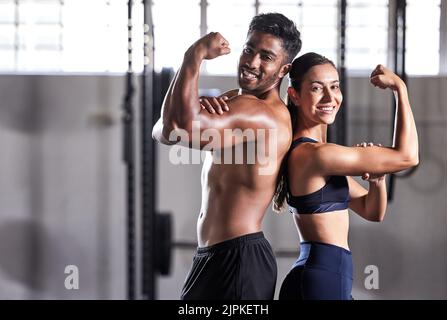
point(376, 216)
point(410, 160)
point(415, 160)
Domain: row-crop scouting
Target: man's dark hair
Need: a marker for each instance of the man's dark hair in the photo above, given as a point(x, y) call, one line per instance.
point(280, 26)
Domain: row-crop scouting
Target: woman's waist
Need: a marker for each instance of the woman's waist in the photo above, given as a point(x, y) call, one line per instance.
point(331, 228)
point(325, 256)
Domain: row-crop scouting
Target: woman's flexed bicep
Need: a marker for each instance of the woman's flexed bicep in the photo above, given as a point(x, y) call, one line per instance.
point(405, 138)
point(333, 159)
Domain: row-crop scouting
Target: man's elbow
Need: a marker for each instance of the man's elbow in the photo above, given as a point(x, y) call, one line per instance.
point(157, 130)
point(155, 135)
point(158, 133)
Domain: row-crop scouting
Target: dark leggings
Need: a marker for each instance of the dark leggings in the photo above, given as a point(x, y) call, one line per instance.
point(322, 272)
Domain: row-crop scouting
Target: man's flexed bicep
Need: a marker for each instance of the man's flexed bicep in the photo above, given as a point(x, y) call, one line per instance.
point(181, 105)
point(248, 119)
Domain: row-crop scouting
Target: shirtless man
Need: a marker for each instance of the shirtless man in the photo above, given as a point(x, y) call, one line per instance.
point(233, 259)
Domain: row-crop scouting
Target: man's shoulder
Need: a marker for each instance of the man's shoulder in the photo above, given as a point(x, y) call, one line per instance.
point(245, 97)
point(273, 109)
point(281, 113)
point(277, 106)
point(249, 104)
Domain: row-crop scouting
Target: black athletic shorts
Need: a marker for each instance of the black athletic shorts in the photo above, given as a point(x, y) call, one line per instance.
point(243, 268)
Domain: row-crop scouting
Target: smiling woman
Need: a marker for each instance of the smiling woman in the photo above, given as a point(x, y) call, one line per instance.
point(318, 183)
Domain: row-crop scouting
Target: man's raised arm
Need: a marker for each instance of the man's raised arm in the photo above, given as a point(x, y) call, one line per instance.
point(181, 104)
point(182, 118)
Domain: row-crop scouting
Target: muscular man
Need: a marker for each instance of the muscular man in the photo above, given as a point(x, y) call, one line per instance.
point(234, 260)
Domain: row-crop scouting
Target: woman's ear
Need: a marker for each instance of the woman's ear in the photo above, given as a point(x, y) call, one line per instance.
point(293, 95)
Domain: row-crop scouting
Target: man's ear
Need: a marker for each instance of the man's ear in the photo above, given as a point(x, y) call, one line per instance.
point(284, 70)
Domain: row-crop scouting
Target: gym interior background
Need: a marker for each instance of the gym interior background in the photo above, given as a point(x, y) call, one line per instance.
point(78, 184)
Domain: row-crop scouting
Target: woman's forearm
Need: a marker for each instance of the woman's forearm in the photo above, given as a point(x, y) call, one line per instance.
point(376, 201)
point(406, 139)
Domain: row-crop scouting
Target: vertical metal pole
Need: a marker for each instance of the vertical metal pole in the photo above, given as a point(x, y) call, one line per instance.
point(399, 29)
point(16, 35)
point(148, 156)
point(443, 38)
point(257, 4)
point(128, 152)
point(337, 131)
point(399, 39)
point(203, 17)
point(341, 129)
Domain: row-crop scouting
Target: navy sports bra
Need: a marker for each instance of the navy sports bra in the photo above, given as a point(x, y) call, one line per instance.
point(333, 196)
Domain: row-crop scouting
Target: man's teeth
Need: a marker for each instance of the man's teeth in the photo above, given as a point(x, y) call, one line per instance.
point(248, 74)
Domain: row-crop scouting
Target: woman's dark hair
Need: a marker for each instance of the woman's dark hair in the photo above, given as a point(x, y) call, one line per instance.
point(300, 66)
point(280, 26)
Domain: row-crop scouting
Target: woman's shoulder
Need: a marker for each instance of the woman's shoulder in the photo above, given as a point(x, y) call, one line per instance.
point(302, 150)
point(309, 152)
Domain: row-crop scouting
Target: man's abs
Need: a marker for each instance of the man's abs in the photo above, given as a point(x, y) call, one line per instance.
point(234, 201)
